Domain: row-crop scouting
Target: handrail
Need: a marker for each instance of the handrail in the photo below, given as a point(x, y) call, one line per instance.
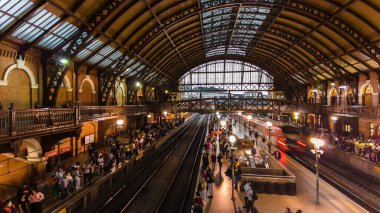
point(16, 122)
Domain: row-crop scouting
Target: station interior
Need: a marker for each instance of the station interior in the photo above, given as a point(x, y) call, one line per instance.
point(258, 105)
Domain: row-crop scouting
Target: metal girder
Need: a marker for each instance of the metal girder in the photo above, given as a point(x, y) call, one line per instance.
point(303, 44)
point(166, 33)
point(299, 40)
point(108, 78)
point(27, 15)
point(109, 8)
point(55, 71)
point(201, 21)
point(293, 6)
point(234, 26)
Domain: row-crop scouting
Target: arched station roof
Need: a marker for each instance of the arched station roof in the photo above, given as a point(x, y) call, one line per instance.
point(297, 42)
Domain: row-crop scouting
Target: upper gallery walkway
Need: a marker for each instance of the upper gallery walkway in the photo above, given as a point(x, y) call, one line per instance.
point(16, 123)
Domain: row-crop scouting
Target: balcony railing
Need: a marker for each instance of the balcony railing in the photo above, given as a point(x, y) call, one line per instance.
point(18, 122)
point(104, 112)
point(362, 111)
point(21, 122)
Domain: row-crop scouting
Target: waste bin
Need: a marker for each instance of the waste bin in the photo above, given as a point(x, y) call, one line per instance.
point(281, 188)
point(291, 188)
point(260, 187)
point(270, 187)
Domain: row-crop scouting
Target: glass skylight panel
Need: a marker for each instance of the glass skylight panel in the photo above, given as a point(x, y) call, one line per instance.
point(36, 26)
point(105, 62)
point(10, 10)
point(93, 45)
point(62, 33)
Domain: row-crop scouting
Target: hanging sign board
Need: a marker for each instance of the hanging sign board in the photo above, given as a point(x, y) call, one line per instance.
point(216, 132)
point(55, 152)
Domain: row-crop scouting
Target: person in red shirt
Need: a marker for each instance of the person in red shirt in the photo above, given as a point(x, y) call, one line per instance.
point(9, 207)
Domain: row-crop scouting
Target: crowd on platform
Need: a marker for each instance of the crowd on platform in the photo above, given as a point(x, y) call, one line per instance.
point(368, 149)
point(66, 180)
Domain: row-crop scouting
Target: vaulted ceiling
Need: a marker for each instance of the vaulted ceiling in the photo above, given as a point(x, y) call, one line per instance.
point(297, 42)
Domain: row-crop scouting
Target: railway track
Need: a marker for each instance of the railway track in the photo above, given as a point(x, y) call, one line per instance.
point(179, 191)
point(359, 187)
point(143, 193)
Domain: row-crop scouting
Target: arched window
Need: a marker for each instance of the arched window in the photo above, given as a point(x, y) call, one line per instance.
point(367, 96)
point(334, 97)
point(221, 77)
point(350, 97)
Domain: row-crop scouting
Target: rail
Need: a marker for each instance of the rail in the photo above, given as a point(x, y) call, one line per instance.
point(15, 122)
point(353, 110)
point(101, 112)
point(21, 122)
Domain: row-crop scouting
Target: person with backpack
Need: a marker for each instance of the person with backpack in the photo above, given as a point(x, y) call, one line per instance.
point(252, 197)
point(210, 180)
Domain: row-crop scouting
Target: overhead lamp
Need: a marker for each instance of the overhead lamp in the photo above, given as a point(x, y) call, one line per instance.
point(120, 122)
point(315, 90)
point(269, 124)
point(165, 113)
point(64, 60)
point(149, 116)
point(317, 142)
point(217, 113)
point(239, 113)
point(232, 138)
point(334, 118)
point(342, 87)
point(296, 113)
point(333, 84)
point(223, 123)
point(166, 91)
point(138, 84)
point(218, 116)
point(249, 117)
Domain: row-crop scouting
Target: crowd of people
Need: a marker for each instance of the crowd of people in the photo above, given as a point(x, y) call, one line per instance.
point(210, 160)
point(66, 180)
point(366, 148)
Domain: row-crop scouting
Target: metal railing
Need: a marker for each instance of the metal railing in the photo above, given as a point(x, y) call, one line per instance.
point(16, 122)
point(353, 110)
point(22, 121)
point(102, 112)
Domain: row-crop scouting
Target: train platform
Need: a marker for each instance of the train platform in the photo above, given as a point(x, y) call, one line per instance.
point(331, 200)
point(44, 186)
point(349, 159)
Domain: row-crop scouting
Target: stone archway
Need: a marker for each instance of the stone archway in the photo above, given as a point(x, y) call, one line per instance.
point(20, 65)
point(333, 97)
point(367, 95)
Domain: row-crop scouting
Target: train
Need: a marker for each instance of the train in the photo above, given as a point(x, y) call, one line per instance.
point(283, 136)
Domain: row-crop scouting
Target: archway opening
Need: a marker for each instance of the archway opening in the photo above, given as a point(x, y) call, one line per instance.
point(334, 97)
point(368, 96)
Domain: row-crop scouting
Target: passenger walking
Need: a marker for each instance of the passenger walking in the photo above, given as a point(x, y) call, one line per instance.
point(220, 157)
point(256, 136)
point(213, 160)
point(23, 204)
point(210, 180)
point(252, 197)
point(253, 151)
